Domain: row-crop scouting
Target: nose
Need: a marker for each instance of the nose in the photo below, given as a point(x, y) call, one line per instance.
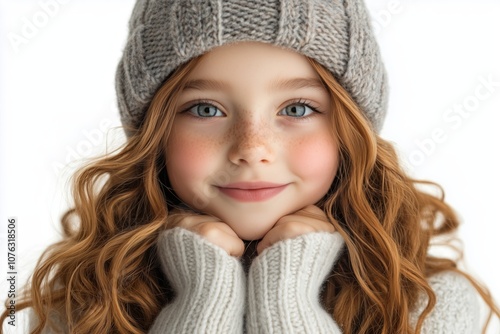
point(252, 143)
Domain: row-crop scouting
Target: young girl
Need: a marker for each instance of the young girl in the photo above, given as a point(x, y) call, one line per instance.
point(253, 193)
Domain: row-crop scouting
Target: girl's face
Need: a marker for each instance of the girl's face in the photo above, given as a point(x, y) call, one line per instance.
point(251, 140)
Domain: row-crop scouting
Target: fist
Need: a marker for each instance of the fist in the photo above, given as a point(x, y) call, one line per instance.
point(309, 219)
point(210, 228)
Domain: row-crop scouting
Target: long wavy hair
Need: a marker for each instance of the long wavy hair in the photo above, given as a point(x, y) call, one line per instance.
point(104, 275)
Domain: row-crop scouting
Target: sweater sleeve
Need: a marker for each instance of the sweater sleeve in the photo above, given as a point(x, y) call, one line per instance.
point(457, 309)
point(209, 286)
point(284, 285)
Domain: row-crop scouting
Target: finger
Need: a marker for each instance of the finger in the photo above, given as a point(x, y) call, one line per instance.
point(307, 220)
point(312, 211)
point(286, 231)
point(234, 245)
point(189, 220)
point(316, 224)
point(221, 235)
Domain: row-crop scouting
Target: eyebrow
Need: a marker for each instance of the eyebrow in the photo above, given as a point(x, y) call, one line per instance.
point(281, 84)
point(205, 84)
point(297, 83)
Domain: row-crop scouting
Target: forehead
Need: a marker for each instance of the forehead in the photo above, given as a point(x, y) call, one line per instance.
point(252, 61)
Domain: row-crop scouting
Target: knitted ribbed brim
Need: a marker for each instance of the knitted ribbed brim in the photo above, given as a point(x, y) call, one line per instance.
point(166, 33)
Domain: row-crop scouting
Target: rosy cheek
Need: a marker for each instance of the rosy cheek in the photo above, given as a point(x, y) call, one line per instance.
point(315, 159)
point(188, 161)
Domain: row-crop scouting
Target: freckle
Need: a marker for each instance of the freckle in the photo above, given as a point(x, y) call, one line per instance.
point(248, 134)
point(235, 132)
point(299, 142)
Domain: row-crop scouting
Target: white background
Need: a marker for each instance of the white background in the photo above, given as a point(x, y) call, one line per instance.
point(57, 102)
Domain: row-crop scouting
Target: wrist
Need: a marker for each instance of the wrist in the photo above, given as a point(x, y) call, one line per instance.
point(284, 283)
point(195, 266)
point(209, 285)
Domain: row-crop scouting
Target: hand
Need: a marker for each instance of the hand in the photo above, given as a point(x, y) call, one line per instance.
point(210, 228)
point(309, 219)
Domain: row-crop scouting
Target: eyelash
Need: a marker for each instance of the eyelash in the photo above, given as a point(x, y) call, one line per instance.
point(300, 101)
point(196, 103)
point(304, 102)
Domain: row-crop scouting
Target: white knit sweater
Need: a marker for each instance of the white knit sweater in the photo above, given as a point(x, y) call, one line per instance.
point(281, 292)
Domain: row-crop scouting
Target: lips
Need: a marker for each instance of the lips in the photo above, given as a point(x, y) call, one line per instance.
point(252, 191)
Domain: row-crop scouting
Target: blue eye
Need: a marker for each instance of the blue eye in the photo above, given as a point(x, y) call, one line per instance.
point(205, 110)
point(297, 110)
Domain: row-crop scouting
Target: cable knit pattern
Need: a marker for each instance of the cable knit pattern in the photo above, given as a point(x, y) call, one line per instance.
point(163, 34)
point(283, 290)
point(210, 286)
point(457, 306)
point(284, 285)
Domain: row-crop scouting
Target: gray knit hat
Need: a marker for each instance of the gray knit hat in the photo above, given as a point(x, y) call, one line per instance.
point(166, 33)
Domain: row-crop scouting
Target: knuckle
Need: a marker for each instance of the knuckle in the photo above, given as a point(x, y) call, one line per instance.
point(239, 249)
point(294, 228)
point(181, 220)
point(209, 230)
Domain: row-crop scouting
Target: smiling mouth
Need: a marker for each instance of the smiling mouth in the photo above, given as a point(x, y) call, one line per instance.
point(252, 192)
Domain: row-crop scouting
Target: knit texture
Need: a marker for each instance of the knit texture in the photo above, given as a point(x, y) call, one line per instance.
point(457, 306)
point(164, 34)
point(283, 290)
point(284, 286)
point(209, 285)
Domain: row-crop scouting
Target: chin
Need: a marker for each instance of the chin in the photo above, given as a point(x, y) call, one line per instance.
point(250, 231)
point(251, 235)
point(252, 225)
